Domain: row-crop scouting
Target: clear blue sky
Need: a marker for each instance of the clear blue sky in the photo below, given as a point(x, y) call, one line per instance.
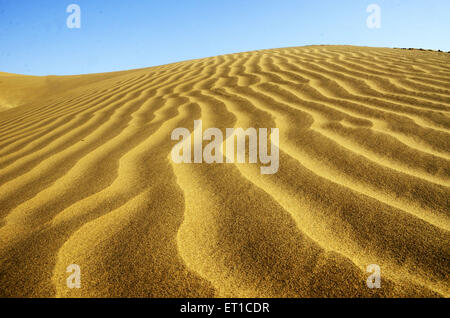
point(127, 34)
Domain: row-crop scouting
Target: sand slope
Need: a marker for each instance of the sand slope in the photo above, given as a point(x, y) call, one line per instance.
point(86, 178)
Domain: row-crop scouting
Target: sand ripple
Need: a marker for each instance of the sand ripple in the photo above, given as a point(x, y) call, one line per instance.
point(86, 178)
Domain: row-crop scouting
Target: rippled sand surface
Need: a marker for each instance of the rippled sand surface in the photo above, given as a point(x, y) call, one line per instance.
point(86, 178)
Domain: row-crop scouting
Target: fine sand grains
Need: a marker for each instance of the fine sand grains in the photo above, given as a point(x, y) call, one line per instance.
point(86, 178)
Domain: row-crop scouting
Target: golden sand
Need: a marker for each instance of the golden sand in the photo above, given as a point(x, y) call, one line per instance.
point(86, 178)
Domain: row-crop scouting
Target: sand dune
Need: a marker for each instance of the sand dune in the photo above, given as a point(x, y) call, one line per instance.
point(86, 178)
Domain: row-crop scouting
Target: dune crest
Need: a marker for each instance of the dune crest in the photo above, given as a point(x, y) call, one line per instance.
point(86, 177)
